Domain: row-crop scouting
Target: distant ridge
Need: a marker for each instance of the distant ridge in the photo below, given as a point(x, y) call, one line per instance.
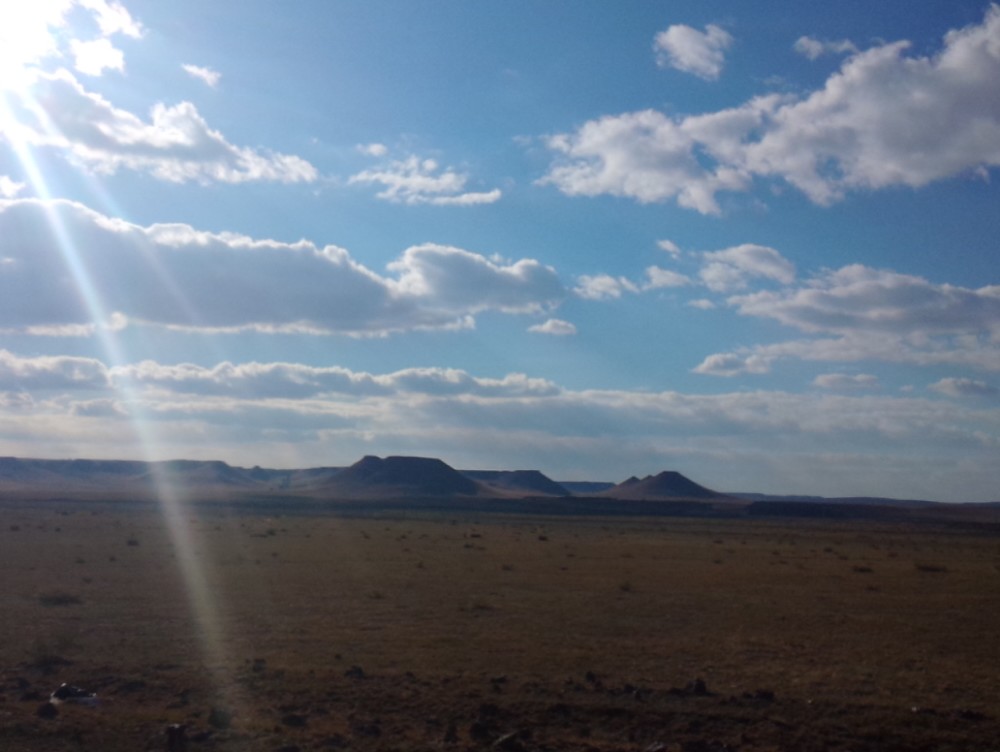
point(398, 481)
point(666, 485)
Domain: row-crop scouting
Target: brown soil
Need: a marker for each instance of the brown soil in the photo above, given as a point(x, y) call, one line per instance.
point(324, 632)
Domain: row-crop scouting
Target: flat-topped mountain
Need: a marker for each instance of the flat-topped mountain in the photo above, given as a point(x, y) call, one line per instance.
point(374, 477)
point(523, 482)
point(666, 485)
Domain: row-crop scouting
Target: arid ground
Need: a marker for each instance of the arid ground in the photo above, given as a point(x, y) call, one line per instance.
point(314, 632)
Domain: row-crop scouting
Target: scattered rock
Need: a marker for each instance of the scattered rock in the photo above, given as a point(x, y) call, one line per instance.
point(176, 738)
point(696, 688)
point(479, 731)
point(509, 742)
point(47, 710)
point(69, 693)
point(355, 672)
point(372, 728)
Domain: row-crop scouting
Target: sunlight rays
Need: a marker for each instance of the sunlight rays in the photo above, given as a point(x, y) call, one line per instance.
point(105, 325)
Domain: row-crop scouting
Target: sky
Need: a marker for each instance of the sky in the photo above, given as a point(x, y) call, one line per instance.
point(755, 243)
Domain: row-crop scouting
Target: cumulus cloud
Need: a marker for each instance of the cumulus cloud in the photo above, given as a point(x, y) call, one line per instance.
point(702, 53)
point(876, 315)
point(642, 155)
point(702, 304)
point(112, 17)
point(733, 364)
point(815, 48)
point(206, 75)
point(373, 149)
point(175, 144)
point(885, 118)
point(177, 276)
point(657, 278)
point(555, 327)
point(421, 181)
point(94, 57)
point(298, 381)
point(32, 33)
point(960, 387)
point(19, 373)
point(845, 381)
point(8, 187)
point(859, 298)
point(670, 247)
point(603, 287)
point(732, 268)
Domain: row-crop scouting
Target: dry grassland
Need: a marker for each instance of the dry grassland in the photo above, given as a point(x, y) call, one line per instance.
point(325, 632)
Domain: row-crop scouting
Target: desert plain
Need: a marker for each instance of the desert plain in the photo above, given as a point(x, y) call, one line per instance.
point(264, 629)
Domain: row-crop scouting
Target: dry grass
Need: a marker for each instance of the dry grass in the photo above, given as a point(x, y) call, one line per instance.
point(433, 611)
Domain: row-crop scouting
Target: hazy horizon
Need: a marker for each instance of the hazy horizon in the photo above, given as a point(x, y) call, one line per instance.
point(753, 244)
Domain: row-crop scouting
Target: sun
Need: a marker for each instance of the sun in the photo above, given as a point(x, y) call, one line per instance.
point(28, 35)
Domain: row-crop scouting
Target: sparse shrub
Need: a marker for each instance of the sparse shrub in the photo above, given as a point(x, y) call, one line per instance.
point(132, 541)
point(626, 587)
point(376, 595)
point(219, 718)
point(862, 569)
point(49, 655)
point(59, 598)
point(15, 528)
point(930, 568)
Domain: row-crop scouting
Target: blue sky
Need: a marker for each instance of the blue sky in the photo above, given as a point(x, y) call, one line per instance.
point(755, 243)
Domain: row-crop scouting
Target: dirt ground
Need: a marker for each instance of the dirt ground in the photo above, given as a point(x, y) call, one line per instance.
point(297, 632)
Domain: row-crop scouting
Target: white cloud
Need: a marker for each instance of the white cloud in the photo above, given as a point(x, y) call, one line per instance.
point(603, 287)
point(206, 75)
point(94, 57)
point(658, 278)
point(177, 276)
point(730, 269)
point(815, 48)
point(18, 373)
point(642, 155)
point(9, 188)
point(733, 364)
point(422, 181)
point(702, 304)
point(886, 118)
point(859, 298)
point(291, 414)
point(113, 18)
point(875, 315)
point(175, 145)
point(670, 247)
point(555, 327)
point(297, 381)
point(373, 149)
point(33, 32)
point(844, 381)
point(960, 387)
point(702, 53)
